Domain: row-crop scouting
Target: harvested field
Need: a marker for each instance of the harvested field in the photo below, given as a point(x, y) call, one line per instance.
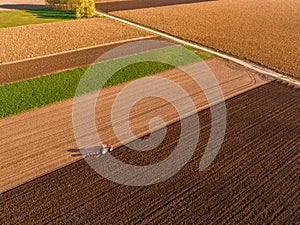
point(265, 32)
point(253, 180)
point(61, 36)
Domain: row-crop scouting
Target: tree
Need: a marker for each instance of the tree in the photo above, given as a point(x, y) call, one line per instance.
point(82, 8)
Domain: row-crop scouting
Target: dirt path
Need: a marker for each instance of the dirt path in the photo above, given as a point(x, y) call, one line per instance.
point(36, 142)
point(253, 180)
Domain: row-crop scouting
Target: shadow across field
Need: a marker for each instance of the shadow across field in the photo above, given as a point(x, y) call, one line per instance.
point(39, 11)
point(140, 4)
point(52, 14)
point(22, 6)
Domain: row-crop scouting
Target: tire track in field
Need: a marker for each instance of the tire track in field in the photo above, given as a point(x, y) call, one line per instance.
point(257, 161)
point(225, 158)
point(190, 191)
point(47, 132)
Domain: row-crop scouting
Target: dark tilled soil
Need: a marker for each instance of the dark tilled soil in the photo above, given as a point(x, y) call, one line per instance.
point(252, 180)
point(51, 64)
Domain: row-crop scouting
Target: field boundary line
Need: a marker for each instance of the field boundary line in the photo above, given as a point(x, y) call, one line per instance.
point(257, 68)
point(77, 50)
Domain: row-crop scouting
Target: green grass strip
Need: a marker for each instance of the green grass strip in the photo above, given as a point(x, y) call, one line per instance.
point(13, 18)
point(202, 55)
point(36, 92)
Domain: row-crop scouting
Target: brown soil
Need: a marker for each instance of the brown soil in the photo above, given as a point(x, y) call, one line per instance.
point(120, 5)
point(21, 4)
point(36, 142)
point(40, 39)
point(17, 71)
point(253, 180)
point(266, 32)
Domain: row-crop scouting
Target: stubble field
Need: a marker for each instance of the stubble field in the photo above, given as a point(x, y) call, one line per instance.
point(263, 31)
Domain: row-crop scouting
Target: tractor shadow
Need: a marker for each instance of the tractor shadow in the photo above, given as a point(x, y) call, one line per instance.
point(97, 150)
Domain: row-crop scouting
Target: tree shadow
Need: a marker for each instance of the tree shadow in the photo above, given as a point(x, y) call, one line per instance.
point(47, 13)
point(22, 6)
point(140, 4)
point(41, 11)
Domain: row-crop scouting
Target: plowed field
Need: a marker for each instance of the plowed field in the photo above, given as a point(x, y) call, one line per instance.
point(252, 180)
point(263, 31)
point(53, 38)
point(47, 132)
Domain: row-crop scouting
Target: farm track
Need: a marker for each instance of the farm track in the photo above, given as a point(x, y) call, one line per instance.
point(252, 180)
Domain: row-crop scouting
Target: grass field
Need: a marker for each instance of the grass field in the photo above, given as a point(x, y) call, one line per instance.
point(28, 94)
point(13, 18)
point(263, 31)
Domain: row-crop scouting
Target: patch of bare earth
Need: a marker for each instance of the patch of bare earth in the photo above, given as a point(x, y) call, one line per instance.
point(263, 31)
point(36, 40)
point(253, 180)
point(36, 142)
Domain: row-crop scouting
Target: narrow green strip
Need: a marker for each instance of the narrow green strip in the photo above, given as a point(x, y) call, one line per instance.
point(37, 92)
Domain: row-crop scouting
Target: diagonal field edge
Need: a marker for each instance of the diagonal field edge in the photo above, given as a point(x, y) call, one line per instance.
point(259, 69)
point(78, 49)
